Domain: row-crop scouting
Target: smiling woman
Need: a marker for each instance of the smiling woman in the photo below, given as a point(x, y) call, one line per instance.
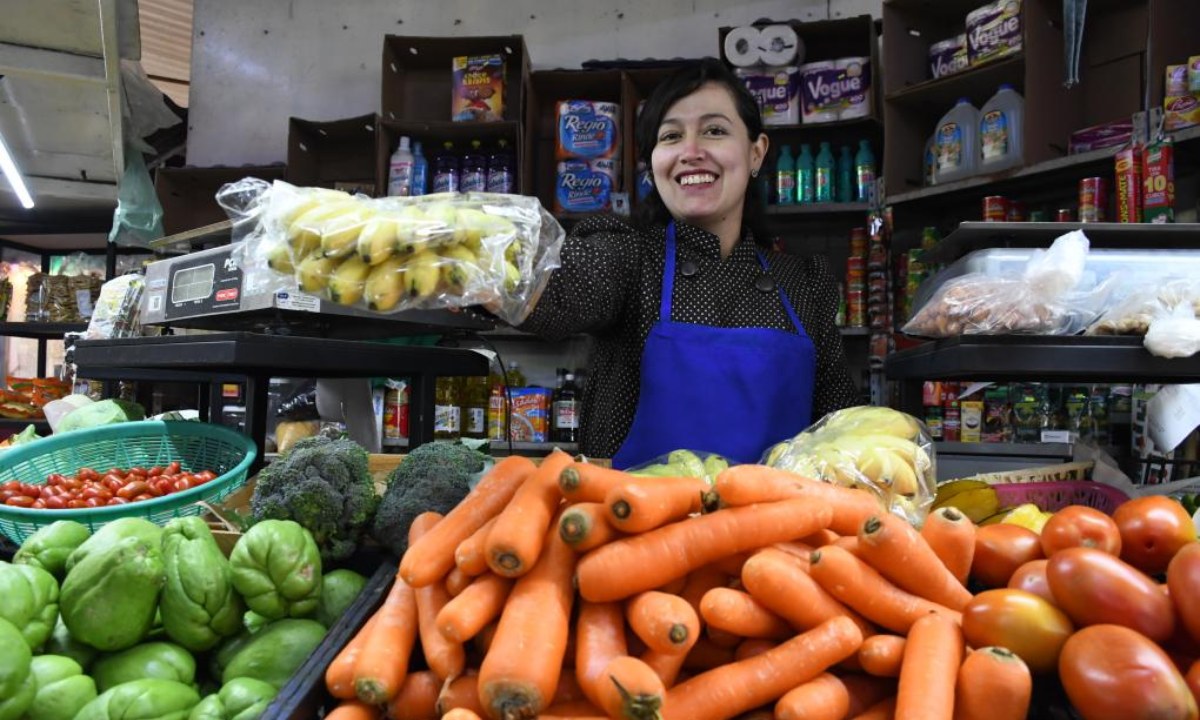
point(704, 338)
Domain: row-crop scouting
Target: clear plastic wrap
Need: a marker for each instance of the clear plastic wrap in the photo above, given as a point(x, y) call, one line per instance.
point(118, 310)
point(883, 451)
point(1051, 296)
point(397, 253)
point(683, 463)
point(1141, 305)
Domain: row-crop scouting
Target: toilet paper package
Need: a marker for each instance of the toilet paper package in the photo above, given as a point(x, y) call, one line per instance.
point(994, 31)
point(583, 186)
point(588, 129)
point(777, 90)
point(819, 97)
point(854, 78)
point(779, 46)
point(742, 46)
point(948, 56)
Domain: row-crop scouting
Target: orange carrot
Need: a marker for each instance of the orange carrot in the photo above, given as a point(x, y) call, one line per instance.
point(585, 525)
point(895, 548)
point(339, 676)
point(747, 484)
point(722, 638)
point(993, 684)
point(751, 647)
point(701, 581)
point(461, 714)
point(573, 711)
point(881, 655)
point(470, 611)
point(444, 656)
point(461, 692)
point(883, 710)
point(737, 687)
point(866, 690)
point(516, 540)
point(675, 587)
point(646, 503)
point(520, 672)
point(457, 581)
point(354, 710)
point(951, 535)
point(666, 623)
point(737, 612)
point(586, 482)
point(432, 557)
point(849, 543)
point(864, 590)
point(821, 538)
point(630, 690)
point(932, 655)
point(731, 565)
point(825, 697)
point(642, 562)
point(482, 642)
point(417, 699)
point(599, 638)
point(383, 663)
point(706, 655)
point(800, 551)
point(568, 690)
point(470, 556)
point(782, 584)
point(665, 665)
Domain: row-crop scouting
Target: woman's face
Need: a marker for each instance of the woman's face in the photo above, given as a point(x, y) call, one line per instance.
point(703, 158)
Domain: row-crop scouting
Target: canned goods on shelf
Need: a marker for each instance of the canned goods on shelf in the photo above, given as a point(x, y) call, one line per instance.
point(995, 208)
point(1016, 211)
point(1064, 215)
point(1093, 197)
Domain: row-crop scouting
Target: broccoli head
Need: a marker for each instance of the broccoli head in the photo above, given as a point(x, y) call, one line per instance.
point(324, 485)
point(433, 477)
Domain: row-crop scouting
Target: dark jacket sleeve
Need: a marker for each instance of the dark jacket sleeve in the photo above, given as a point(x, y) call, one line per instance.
point(835, 388)
point(594, 284)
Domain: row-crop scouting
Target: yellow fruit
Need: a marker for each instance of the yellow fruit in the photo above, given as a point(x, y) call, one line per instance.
point(459, 265)
point(410, 229)
point(421, 274)
point(304, 233)
point(377, 241)
point(279, 259)
point(384, 287)
point(347, 282)
point(1028, 516)
point(339, 234)
point(313, 272)
point(977, 504)
point(947, 490)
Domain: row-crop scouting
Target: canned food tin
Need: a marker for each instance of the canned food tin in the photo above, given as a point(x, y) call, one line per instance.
point(1064, 215)
point(1038, 216)
point(995, 208)
point(856, 269)
point(858, 243)
point(1093, 197)
point(856, 308)
point(1016, 211)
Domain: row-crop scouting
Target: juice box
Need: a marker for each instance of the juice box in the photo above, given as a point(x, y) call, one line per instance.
point(478, 82)
point(1158, 182)
point(971, 417)
point(530, 414)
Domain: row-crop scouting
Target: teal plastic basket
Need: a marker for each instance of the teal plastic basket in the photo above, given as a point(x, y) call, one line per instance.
point(197, 446)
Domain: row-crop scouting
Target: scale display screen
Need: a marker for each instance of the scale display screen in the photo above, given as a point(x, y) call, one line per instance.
point(192, 284)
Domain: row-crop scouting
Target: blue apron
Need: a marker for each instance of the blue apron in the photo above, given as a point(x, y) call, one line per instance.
point(732, 391)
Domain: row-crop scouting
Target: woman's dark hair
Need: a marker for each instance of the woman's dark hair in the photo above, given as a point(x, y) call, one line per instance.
point(679, 85)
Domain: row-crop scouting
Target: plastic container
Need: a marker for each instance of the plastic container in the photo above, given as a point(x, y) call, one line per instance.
point(956, 143)
point(1053, 496)
point(500, 170)
point(420, 172)
point(146, 443)
point(785, 177)
point(929, 161)
point(445, 170)
point(474, 170)
point(400, 170)
point(806, 176)
point(1001, 131)
point(845, 176)
point(824, 174)
point(864, 171)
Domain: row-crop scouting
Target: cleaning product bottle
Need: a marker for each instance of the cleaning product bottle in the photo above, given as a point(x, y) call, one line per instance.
point(864, 171)
point(474, 169)
point(785, 177)
point(929, 161)
point(400, 169)
point(845, 176)
point(957, 144)
point(1001, 130)
point(806, 182)
point(824, 174)
point(500, 169)
point(420, 172)
point(445, 173)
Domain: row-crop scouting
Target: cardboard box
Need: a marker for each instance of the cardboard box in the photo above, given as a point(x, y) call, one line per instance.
point(418, 74)
point(335, 154)
point(530, 414)
point(971, 419)
point(188, 195)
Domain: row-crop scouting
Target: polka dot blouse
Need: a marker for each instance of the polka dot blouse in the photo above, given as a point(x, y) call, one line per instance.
point(609, 286)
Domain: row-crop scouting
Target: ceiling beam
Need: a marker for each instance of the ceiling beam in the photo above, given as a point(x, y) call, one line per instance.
point(22, 60)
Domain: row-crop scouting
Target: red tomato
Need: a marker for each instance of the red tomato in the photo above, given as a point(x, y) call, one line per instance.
point(1022, 622)
point(1113, 673)
point(11, 485)
point(1153, 528)
point(206, 476)
point(1080, 526)
point(87, 474)
point(75, 504)
point(155, 471)
point(143, 496)
point(1183, 580)
point(1031, 577)
point(113, 483)
point(172, 468)
point(38, 504)
point(20, 501)
point(55, 479)
point(1000, 549)
point(182, 484)
point(1094, 588)
point(1193, 680)
point(116, 501)
point(133, 489)
point(56, 502)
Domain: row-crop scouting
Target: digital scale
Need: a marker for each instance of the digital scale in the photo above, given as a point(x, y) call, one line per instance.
point(206, 290)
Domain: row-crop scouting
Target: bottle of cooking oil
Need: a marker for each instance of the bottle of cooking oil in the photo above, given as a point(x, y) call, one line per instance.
point(475, 407)
point(497, 420)
point(447, 410)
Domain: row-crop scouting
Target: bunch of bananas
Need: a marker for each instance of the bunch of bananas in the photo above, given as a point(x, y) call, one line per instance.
point(873, 448)
point(976, 499)
point(391, 251)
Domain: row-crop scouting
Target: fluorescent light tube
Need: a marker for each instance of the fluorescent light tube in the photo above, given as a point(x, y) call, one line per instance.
point(14, 176)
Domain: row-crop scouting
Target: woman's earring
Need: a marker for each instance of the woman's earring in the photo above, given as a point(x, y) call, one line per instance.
point(754, 172)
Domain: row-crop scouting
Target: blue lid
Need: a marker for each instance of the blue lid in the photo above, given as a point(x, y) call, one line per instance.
point(1007, 86)
point(963, 101)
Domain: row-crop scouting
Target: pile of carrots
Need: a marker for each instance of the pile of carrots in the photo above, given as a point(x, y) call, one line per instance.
point(570, 590)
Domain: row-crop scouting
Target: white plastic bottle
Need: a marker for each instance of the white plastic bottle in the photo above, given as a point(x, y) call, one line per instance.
point(1001, 128)
point(400, 170)
point(956, 143)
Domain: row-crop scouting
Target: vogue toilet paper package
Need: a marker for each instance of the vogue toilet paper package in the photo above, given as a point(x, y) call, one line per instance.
point(777, 90)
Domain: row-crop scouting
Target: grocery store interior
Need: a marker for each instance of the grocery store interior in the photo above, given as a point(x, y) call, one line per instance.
point(249, 247)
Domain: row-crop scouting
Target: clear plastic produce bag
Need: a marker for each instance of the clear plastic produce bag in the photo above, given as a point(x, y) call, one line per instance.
point(396, 253)
point(883, 451)
point(683, 463)
point(1142, 304)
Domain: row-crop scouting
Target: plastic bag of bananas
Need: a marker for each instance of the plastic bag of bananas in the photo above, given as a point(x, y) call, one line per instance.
point(878, 449)
point(396, 253)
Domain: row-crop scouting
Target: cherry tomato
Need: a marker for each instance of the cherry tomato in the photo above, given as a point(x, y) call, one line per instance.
point(20, 501)
point(1183, 580)
point(94, 502)
point(1193, 679)
point(11, 485)
point(182, 484)
point(1022, 622)
point(87, 474)
point(143, 496)
point(55, 479)
point(113, 484)
point(173, 467)
point(1094, 587)
point(133, 489)
point(136, 473)
point(206, 475)
point(1113, 673)
point(1000, 549)
point(1152, 529)
point(1031, 577)
point(116, 501)
point(38, 504)
point(1080, 526)
point(56, 502)
point(76, 504)
point(92, 491)
point(155, 471)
